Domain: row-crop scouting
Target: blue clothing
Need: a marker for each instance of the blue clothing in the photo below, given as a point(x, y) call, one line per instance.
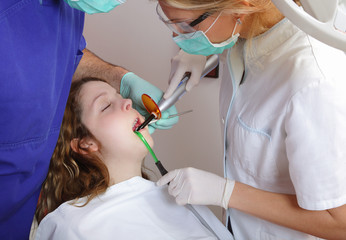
point(41, 44)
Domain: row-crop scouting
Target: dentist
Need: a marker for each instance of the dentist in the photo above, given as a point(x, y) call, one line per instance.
point(42, 49)
point(283, 118)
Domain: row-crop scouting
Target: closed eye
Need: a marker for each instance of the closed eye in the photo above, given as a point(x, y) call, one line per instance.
point(106, 107)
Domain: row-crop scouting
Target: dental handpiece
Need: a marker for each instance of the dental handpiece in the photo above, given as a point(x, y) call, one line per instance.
point(164, 104)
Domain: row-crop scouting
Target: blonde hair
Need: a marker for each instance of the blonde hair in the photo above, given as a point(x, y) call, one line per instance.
point(256, 10)
point(71, 174)
point(233, 6)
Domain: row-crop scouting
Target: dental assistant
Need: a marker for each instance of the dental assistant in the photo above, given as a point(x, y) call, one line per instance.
point(283, 118)
point(41, 45)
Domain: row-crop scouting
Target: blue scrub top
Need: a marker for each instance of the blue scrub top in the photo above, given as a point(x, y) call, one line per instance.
point(41, 44)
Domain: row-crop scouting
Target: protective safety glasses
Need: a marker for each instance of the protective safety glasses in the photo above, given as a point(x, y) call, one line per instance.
point(183, 26)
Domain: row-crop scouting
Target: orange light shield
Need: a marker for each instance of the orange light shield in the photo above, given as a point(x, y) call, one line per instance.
point(151, 106)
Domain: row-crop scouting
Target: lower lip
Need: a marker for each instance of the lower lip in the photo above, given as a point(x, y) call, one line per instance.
point(141, 131)
point(137, 127)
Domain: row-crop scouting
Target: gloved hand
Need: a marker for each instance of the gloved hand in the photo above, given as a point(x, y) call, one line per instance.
point(194, 186)
point(134, 87)
point(181, 63)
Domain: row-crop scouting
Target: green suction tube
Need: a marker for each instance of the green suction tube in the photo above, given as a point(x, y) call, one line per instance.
point(158, 164)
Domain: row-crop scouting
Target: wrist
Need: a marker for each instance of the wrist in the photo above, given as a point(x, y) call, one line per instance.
point(121, 72)
point(124, 88)
point(229, 186)
point(117, 75)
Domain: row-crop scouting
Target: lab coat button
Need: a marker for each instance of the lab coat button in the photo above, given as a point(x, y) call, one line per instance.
point(223, 121)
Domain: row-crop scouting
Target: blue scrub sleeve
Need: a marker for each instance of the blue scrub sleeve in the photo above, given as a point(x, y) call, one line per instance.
point(41, 44)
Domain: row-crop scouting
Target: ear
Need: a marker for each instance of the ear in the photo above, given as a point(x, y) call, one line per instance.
point(83, 146)
point(246, 3)
point(242, 16)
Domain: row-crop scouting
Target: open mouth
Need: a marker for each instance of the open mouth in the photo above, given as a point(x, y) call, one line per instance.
point(136, 124)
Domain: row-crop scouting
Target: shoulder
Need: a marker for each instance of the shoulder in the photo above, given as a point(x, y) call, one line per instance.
point(308, 64)
point(62, 213)
point(313, 58)
point(52, 225)
point(63, 222)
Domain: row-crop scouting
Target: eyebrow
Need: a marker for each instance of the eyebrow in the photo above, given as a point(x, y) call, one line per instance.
point(98, 96)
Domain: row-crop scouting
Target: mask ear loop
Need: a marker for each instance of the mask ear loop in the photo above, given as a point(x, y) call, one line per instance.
point(213, 23)
point(238, 22)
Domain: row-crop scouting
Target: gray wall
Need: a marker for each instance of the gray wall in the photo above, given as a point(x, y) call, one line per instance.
point(132, 36)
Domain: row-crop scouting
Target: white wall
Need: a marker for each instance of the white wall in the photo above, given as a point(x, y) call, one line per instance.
point(133, 37)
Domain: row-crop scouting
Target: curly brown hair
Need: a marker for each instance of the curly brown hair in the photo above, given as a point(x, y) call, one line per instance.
point(71, 174)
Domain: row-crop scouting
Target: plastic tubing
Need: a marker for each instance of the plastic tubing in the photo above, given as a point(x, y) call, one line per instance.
point(147, 145)
point(158, 164)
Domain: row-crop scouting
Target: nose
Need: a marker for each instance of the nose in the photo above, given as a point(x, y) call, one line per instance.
point(127, 104)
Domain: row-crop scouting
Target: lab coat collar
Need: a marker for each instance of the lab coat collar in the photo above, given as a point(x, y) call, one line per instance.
point(269, 41)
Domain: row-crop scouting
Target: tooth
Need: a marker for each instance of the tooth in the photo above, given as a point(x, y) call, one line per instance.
point(135, 122)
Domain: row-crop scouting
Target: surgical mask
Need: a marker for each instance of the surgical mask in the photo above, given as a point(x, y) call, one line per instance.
point(198, 43)
point(94, 6)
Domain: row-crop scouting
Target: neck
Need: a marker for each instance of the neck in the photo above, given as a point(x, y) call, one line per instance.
point(123, 170)
point(258, 23)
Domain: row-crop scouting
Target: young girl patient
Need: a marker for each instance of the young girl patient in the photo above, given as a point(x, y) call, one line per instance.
point(95, 188)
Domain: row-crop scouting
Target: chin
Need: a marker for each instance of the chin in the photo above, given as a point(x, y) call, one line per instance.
point(148, 137)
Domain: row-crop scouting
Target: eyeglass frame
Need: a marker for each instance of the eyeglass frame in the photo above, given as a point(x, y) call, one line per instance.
point(194, 22)
point(200, 19)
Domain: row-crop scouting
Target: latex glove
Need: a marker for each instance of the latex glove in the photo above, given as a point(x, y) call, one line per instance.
point(133, 87)
point(181, 63)
point(194, 186)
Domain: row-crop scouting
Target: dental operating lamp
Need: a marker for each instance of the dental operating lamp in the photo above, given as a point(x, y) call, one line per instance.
point(324, 20)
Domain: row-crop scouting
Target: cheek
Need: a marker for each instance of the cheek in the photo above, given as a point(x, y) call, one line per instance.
point(114, 133)
point(109, 131)
point(221, 31)
point(217, 36)
point(116, 143)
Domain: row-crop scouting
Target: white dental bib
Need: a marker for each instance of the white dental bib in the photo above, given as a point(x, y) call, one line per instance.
point(133, 209)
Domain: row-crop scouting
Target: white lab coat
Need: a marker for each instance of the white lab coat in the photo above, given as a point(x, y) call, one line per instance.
point(133, 209)
point(284, 127)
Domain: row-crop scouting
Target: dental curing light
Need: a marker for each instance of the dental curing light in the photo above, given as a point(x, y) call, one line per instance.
point(155, 110)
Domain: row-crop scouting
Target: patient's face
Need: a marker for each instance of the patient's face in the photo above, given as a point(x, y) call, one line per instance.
point(112, 120)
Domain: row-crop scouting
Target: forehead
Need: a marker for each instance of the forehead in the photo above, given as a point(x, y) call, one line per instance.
point(178, 13)
point(92, 89)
